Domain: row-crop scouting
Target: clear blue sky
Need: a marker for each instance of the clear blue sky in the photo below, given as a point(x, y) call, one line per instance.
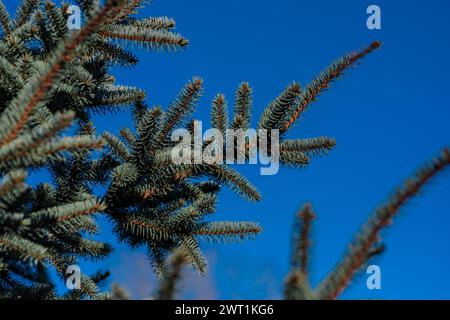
point(389, 115)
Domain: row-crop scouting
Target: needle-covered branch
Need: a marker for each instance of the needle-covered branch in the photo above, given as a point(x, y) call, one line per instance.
point(366, 244)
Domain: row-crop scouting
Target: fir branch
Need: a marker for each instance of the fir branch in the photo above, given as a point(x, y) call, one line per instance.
point(37, 137)
point(188, 245)
point(66, 212)
point(9, 75)
point(128, 136)
point(189, 216)
point(219, 113)
point(235, 181)
point(39, 156)
point(274, 113)
point(294, 158)
point(125, 174)
point(12, 181)
point(118, 148)
point(147, 38)
point(87, 286)
point(123, 13)
point(170, 277)
point(101, 48)
point(119, 293)
point(56, 19)
point(297, 287)
point(323, 81)
point(89, 7)
point(302, 242)
point(155, 23)
point(36, 89)
point(365, 240)
point(25, 11)
point(5, 20)
point(144, 228)
point(24, 249)
point(180, 107)
point(225, 231)
point(89, 249)
point(118, 96)
point(147, 128)
point(242, 107)
point(312, 146)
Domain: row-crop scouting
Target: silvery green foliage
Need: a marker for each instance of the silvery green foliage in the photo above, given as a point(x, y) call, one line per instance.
point(162, 205)
point(50, 78)
point(165, 206)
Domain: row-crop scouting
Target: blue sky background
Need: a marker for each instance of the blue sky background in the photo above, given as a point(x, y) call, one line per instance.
point(389, 115)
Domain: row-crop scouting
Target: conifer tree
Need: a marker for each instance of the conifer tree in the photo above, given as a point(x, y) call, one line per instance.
point(52, 80)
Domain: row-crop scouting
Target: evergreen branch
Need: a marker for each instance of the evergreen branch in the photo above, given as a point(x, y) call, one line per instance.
point(147, 129)
point(103, 49)
point(36, 89)
point(122, 13)
point(157, 256)
point(77, 143)
point(242, 107)
point(143, 228)
point(23, 248)
point(12, 181)
point(119, 293)
point(297, 286)
point(37, 137)
point(312, 146)
point(150, 190)
point(118, 148)
point(147, 38)
point(364, 242)
point(25, 11)
point(125, 174)
point(5, 20)
point(66, 212)
point(302, 242)
point(180, 107)
point(56, 19)
point(9, 75)
point(189, 215)
point(128, 136)
point(229, 231)
point(88, 248)
point(87, 286)
point(189, 247)
point(100, 277)
point(118, 95)
point(294, 158)
point(219, 113)
point(90, 288)
point(155, 23)
point(89, 7)
point(170, 277)
point(235, 181)
point(48, 151)
point(274, 113)
point(162, 228)
point(323, 81)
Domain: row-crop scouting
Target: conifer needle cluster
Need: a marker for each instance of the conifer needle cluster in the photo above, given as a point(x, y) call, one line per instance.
point(52, 80)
